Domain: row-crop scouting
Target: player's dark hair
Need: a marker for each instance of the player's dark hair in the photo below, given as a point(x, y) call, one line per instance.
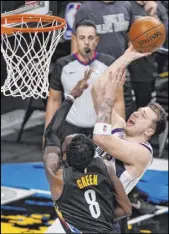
point(80, 152)
point(87, 23)
point(161, 122)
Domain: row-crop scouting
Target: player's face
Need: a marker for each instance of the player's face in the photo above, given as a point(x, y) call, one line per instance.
point(141, 122)
point(86, 38)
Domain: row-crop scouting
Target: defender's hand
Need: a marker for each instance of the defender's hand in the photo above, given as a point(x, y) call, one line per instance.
point(82, 84)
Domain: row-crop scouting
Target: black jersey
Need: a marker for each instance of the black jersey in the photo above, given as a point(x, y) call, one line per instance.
point(87, 199)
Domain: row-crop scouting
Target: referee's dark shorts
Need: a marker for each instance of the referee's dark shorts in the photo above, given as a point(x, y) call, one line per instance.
point(68, 129)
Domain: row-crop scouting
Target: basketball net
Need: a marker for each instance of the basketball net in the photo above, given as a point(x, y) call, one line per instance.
point(27, 64)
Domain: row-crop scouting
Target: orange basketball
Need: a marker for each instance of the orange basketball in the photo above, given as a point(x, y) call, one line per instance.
point(147, 34)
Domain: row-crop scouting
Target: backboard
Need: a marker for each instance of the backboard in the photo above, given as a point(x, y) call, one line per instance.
point(19, 7)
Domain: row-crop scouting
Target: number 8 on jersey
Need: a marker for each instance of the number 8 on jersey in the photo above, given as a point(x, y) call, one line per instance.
point(94, 207)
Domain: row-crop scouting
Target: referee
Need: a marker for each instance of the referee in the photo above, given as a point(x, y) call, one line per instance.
point(68, 71)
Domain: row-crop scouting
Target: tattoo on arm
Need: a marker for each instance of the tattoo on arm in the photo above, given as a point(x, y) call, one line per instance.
point(105, 111)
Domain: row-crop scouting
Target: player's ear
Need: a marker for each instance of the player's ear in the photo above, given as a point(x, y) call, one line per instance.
point(64, 157)
point(97, 39)
point(149, 132)
point(73, 37)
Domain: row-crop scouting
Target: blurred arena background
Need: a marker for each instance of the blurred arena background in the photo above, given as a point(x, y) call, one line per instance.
point(26, 205)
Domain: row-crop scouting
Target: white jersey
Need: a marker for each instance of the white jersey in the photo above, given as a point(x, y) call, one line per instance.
point(127, 180)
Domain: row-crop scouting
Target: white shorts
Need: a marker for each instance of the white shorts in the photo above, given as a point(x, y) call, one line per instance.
point(56, 227)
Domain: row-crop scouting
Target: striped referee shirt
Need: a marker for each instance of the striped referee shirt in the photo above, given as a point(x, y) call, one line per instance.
point(67, 72)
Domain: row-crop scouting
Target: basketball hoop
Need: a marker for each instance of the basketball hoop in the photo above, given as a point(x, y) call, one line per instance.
point(28, 42)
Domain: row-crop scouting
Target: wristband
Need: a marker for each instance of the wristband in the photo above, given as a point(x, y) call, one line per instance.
point(102, 129)
point(71, 97)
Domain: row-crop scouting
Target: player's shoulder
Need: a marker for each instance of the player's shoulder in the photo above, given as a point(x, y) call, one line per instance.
point(105, 58)
point(148, 146)
point(97, 160)
point(142, 153)
point(99, 164)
